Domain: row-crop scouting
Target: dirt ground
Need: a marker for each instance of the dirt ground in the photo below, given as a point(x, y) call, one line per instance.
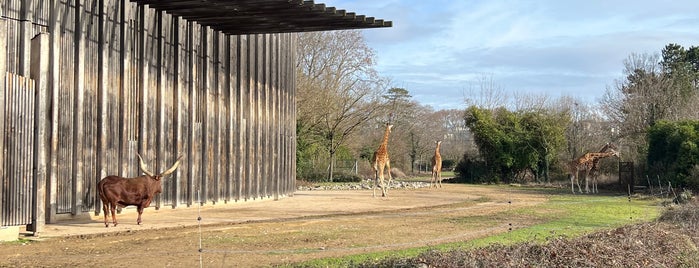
point(309, 225)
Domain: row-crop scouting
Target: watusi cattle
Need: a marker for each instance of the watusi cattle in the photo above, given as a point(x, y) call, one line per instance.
point(139, 191)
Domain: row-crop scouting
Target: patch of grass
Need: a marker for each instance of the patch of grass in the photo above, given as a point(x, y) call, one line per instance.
point(20, 241)
point(560, 216)
point(571, 216)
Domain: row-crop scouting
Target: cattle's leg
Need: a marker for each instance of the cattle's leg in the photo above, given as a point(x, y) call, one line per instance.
point(140, 211)
point(112, 209)
point(106, 213)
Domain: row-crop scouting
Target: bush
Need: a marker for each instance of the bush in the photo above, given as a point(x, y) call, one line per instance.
point(470, 170)
point(346, 177)
point(448, 164)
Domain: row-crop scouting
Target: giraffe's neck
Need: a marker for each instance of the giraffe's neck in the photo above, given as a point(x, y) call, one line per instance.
point(436, 150)
point(601, 155)
point(384, 142)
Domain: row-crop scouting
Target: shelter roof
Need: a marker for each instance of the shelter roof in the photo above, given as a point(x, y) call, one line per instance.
point(237, 17)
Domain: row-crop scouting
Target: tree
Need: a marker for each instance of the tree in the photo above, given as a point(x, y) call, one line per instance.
point(338, 88)
point(673, 151)
point(638, 102)
point(654, 89)
point(514, 143)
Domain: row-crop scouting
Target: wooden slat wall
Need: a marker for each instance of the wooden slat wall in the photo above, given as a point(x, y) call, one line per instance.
point(128, 79)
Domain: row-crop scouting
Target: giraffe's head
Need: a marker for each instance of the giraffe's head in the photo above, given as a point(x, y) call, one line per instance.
point(389, 126)
point(614, 153)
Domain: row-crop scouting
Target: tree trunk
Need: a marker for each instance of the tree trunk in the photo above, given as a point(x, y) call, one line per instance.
point(412, 163)
point(331, 169)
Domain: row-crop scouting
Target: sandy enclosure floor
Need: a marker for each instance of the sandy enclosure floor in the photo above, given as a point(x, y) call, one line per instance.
point(311, 224)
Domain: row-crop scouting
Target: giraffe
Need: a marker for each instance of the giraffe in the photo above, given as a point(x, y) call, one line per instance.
point(584, 163)
point(381, 161)
point(594, 168)
point(436, 167)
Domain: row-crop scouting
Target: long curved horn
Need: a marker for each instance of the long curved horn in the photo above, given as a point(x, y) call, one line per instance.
point(143, 166)
point(172, 169)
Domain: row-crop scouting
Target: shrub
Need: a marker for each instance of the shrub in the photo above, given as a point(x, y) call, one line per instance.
point(346, 177)
point(470, 170)
point(318, 176)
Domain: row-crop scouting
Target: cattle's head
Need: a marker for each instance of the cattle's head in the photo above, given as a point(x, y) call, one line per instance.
point(157, 177)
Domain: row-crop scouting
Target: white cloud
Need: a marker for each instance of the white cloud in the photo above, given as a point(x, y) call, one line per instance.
point(575, 48)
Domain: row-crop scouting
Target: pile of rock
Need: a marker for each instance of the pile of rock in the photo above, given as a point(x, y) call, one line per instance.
point(364, 185)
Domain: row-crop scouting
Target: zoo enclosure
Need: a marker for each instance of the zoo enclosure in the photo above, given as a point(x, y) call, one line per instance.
point(116, 77)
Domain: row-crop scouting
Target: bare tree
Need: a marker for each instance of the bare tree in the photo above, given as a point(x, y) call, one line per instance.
point(338, 88)
point(640, 100)
point(486, 93)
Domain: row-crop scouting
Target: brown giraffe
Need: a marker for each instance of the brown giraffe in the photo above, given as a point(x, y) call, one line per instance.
point(584, 163)
point(594, 168)
point(381, 161)
point(436, 167)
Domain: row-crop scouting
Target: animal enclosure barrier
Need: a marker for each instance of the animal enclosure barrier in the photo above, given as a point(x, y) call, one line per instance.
point(214, 84)
point(626, 176)
point(124, 78)
point(16, 171)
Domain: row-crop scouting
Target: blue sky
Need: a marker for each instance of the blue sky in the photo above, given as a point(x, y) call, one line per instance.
point(438, 49)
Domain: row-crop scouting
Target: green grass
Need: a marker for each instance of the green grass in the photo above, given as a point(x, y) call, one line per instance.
point(562, 215)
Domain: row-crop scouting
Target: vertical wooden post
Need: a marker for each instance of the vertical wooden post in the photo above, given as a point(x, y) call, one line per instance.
point(40, 74)
point(142, 86)
point(52, 185)
point(160, 151)
point(3, 78)
point(240, 100)
point(79, 108)
point(177, 109)
point(102, 117)
point(203, 93)
point(191, 113)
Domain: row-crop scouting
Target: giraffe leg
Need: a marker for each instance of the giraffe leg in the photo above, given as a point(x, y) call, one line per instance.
point(587, 187)
point(376, 180)
point(381, 177)
point(390, 177)
point(575, 180)
point(439, 178)
point(594, 183)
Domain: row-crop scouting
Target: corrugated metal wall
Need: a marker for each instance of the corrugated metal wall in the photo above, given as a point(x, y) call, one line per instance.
point(125, 78)
point(17, 167)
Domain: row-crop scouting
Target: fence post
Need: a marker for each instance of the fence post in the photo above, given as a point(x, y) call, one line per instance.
point(39, 73)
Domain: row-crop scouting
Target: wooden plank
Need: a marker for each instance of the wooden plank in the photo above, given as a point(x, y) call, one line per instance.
point(257, 115)
point(202, 107)
point(240, 102)
point(40, 74)
point(3, 113)
point(265, 177)
point(194, 158)
point(217, 113)
point(79, 110)
point(230, 139)
point(102, 91)
point(177, 110)
point(142, 105)
point(161, 129)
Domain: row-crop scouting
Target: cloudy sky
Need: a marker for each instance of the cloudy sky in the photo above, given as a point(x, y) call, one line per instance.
point(440, 49)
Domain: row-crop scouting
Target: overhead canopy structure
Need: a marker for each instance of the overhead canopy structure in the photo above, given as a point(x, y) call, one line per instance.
point(237, 17)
